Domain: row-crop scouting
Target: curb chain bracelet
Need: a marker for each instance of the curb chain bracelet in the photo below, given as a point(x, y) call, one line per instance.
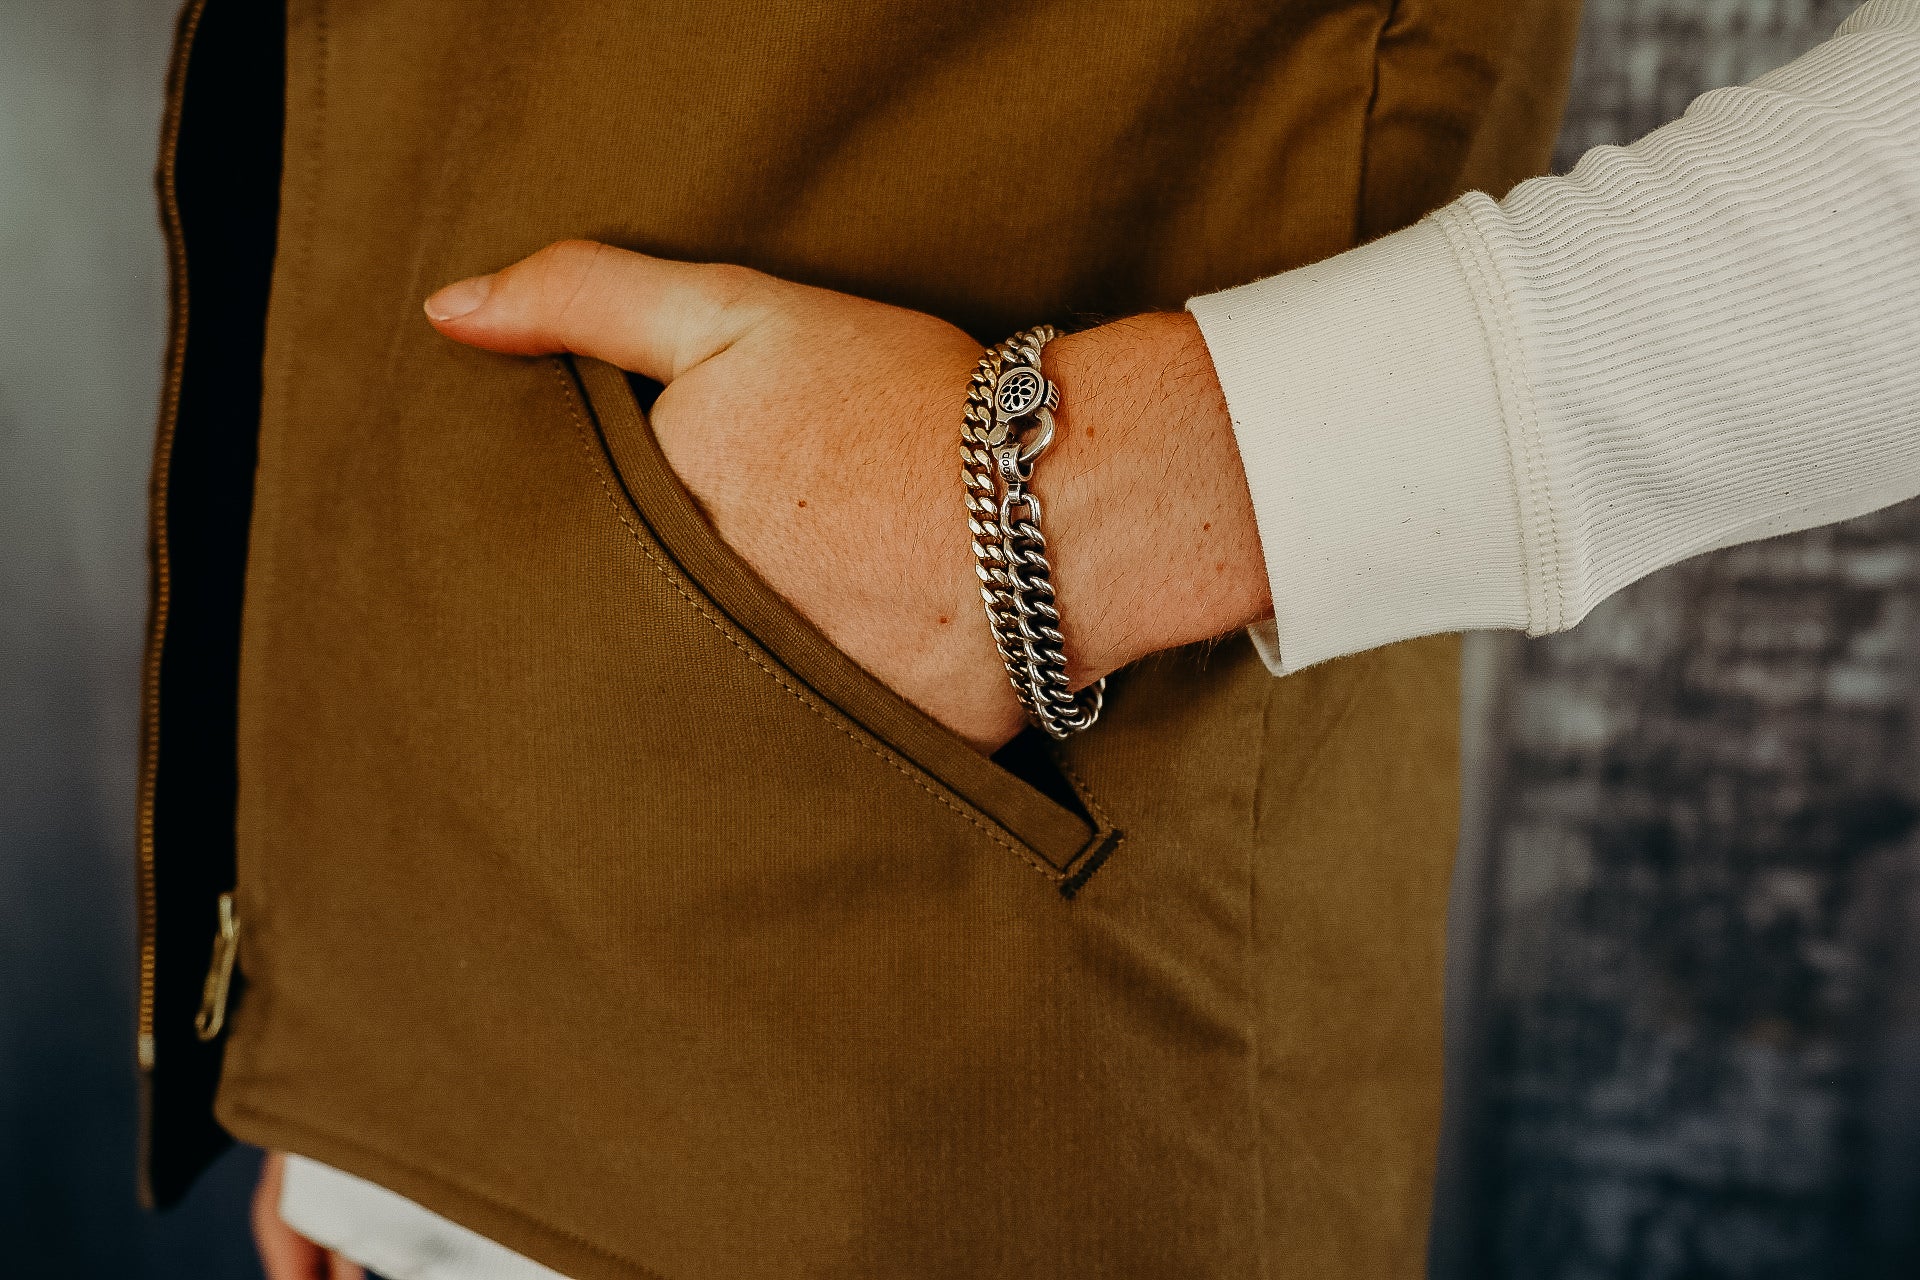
point(1009, 424)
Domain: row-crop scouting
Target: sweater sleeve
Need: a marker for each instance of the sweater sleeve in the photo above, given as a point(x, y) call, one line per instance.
point(1506, 413)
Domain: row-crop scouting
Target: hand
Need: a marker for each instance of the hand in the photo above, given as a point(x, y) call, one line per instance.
point(285, 1254)
point(820, 434)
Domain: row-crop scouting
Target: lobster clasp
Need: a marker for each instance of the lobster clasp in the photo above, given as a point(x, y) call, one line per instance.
point(1011, 460)
point(1022, 393)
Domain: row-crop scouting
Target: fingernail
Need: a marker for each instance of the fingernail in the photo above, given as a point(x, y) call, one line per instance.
point(460, 298)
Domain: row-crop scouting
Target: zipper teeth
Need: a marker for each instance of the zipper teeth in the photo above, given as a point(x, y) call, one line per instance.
point(157, 529)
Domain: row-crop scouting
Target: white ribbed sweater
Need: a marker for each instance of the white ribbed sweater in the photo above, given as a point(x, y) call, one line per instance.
point(1501, 416)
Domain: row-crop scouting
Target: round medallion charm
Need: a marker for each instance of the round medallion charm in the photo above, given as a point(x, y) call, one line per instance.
point(1019, 392)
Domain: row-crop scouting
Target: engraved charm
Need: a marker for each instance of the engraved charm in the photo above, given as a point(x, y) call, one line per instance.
point(1019, 393)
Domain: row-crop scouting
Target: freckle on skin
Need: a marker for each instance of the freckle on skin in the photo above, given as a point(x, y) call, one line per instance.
point(1221, 567)
point(1089, 433)
point(1206, 525)
point(944, 619)
point(803, 502)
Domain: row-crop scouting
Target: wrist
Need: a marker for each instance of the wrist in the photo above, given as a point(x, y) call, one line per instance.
point(1155, 539)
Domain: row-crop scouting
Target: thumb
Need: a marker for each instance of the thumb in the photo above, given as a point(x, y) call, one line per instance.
point(647, 315)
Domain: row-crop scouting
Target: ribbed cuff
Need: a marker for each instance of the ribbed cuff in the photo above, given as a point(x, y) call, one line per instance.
point(1363, 398)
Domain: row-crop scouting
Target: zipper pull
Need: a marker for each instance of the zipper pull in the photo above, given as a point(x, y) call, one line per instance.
point(213, 996)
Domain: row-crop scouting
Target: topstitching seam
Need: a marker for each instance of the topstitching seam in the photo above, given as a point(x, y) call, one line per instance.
point(299, 255)
point(1107, 837)
point(1494, 300)
point(583, 436)
point(1085, 793)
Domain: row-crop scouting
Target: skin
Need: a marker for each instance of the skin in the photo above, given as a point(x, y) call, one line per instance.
point(285, 1254)
point(845, 495)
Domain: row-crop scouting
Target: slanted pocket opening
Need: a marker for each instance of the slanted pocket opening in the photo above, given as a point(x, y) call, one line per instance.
point(1066, 842)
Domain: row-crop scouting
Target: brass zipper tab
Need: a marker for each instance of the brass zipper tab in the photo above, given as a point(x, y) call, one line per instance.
point(213, 996)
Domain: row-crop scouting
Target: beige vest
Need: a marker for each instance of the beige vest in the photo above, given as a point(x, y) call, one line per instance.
point(586, 896)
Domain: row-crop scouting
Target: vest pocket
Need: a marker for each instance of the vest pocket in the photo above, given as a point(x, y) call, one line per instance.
point(1066, 844)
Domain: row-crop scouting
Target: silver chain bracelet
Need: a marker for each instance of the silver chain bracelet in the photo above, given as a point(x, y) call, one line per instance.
point(1009, 424)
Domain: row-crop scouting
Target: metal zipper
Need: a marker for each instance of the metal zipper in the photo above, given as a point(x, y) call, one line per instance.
point(157, 527)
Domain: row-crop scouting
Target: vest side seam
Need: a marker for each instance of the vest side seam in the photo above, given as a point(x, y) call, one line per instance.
point(1367, 120)
point(1252, 952)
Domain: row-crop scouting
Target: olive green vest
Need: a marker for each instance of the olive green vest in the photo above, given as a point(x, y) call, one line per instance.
point(585, 895)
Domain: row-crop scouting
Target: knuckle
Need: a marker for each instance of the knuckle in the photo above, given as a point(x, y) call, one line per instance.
point(564, 255)
point(730, 285)
point(562, 273)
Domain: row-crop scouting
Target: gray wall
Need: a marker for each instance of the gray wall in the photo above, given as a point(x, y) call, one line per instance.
point(1685, 1029)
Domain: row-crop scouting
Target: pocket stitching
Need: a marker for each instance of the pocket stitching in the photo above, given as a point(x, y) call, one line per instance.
point(1085, 793)
point(584, 437)
point(1075, 879)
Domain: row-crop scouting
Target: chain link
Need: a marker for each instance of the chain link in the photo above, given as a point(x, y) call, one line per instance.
point(1008, 425)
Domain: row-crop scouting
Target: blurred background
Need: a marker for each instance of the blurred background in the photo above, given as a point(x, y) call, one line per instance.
point(1685, 951)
